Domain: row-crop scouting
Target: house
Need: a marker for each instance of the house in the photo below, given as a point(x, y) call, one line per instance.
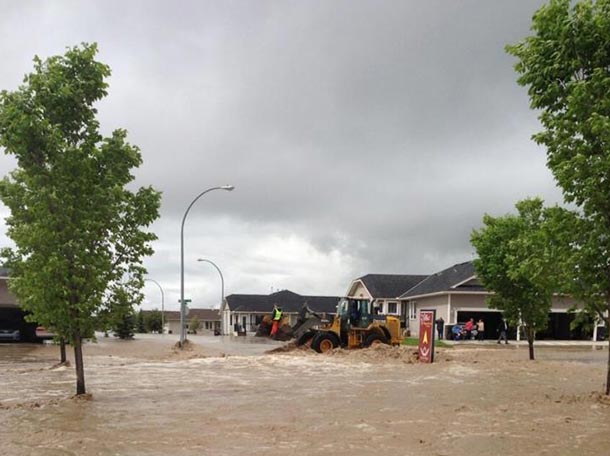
point(171, 321)
point(209, 320)
point(384, 290)
point(457, 295)
point(248, 310)
point(12, 317)
point(7, 299)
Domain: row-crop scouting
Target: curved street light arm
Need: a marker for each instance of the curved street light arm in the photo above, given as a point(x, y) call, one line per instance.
point(182, 304)
point(162, 302)
point(222, 280)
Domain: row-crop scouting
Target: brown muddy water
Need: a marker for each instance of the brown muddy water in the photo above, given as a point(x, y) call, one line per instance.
point(226, 396)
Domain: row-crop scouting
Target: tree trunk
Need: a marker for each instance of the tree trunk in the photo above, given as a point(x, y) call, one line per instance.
point(78, 360)
point(608, 370)
point(62, 350)
point(608, 336)
point(531, 334)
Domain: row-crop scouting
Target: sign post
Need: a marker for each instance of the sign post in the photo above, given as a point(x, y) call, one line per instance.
point(426, 335)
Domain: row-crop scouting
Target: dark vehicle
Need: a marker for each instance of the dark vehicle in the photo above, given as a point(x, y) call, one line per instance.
point(13, 335)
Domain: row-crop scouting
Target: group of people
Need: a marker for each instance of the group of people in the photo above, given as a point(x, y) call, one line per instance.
point(471, 330)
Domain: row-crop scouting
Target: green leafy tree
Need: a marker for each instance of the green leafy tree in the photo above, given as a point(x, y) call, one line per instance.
point(516, 264)
point(125, 324)
point(78, 230)
point(194, 325)
point(565, 64)
point(122, 313)
point(153, 321)
point(140, 322)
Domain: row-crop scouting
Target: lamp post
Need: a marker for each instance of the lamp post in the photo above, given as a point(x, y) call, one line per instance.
point(162, 303)
point(182, 304)
point(222, 280)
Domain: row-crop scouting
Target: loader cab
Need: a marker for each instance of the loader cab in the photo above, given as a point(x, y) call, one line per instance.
point(354, 313)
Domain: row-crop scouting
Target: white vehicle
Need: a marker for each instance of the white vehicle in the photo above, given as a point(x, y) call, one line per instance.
point(43, 333)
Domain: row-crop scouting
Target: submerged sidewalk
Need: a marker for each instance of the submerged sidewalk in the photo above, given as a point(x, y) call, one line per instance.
point(538, 343)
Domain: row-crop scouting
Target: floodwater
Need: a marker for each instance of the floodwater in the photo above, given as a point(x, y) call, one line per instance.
point(226, 396)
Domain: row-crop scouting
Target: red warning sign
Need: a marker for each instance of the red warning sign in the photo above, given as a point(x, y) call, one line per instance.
point(426, 335)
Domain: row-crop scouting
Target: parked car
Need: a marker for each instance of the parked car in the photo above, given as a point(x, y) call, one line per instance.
point(43, 333)
point(10, 334)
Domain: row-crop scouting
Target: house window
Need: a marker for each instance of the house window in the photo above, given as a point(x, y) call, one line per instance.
point(412, 310)
point(391, 307)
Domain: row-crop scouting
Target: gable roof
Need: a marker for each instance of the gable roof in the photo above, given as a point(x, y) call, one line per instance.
point(286, 299)
point(454, 278)
point(201, 314)
point(205, 314)
point(390, 285)
point(167, 314)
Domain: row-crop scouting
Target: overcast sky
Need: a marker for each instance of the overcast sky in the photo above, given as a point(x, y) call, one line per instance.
point(361, 136)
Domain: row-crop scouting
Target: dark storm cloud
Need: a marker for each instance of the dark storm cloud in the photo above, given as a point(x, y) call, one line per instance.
point(369, 136)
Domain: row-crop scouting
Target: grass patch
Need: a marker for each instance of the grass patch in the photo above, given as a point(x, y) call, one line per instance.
point(414, 342)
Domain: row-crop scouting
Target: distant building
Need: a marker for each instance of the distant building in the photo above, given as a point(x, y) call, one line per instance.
point(11, 315)
point(248, 310)
point(457, 295)
point(7, 299)
point(383, 290)
point(209, 320)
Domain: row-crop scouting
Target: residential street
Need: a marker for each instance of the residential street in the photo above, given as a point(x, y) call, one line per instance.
point(149, 399)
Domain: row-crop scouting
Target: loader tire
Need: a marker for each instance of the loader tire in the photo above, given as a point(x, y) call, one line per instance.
point(305, 338)
point(324, 341)
point(375, 339)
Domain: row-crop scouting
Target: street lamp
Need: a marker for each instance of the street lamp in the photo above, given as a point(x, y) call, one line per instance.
point(222, 280)
point(162, 303)
point(182, 304)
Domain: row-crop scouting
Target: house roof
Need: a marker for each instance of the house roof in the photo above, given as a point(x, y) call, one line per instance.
point(201, 314)
point(286, 299)
point(205, 314)
point(390, 285)
point(453, 278)
point(167, 314)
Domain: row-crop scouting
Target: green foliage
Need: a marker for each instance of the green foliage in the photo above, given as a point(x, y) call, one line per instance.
point(414, 342)
point(566, 66)
point(194, 325)
point(518, 263)
point(125, 327)
point(140, 325)
point(153, 321)
point(583, 322)
point(79, 232)
point(587, 264)
point(122, 315)
point(124, 323)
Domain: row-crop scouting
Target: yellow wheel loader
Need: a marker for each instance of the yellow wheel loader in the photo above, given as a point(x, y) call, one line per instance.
point(354, 326)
